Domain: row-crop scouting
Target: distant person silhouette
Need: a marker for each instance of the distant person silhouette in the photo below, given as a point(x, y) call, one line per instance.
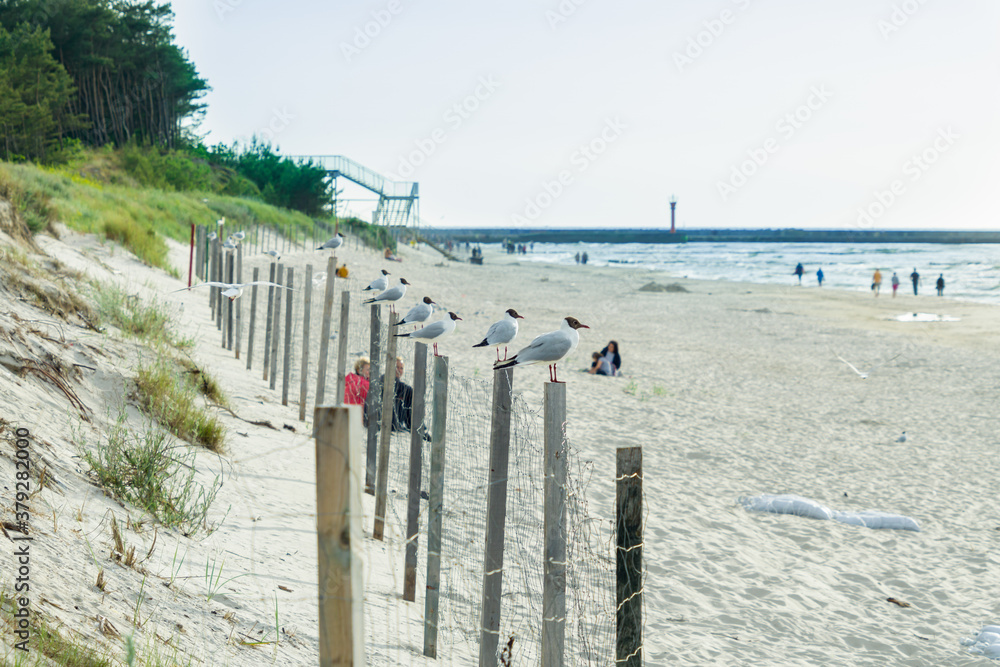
point(799, 270)
point(820, 276)
point(895, 284)
point(877, 282)
point(915, 277)
point(940, 285)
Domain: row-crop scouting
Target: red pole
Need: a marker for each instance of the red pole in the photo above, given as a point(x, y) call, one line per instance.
point(191, 255)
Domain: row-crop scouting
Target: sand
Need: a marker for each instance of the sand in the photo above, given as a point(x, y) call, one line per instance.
point(731, 389)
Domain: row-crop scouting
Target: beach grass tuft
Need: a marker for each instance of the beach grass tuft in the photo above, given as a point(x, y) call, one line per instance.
point(172, 400)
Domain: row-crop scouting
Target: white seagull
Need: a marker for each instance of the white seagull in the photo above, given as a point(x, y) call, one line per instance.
point(419, 313)
point(212, 236)
point(229, 245)
point(273, 253)
point(379, 284)
point(233, 290)
point(864, 374)
point(502, 333)
point(390, 295)
point(333, 243)
point(434, 331)
point(239, 236)
point(548, 348)
point(902, 438)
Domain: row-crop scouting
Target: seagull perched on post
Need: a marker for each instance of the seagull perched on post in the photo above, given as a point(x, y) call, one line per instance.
point(273, 253)
point(548, 348)
point(333, 243)
point(434, 331)
point(391, 295)
point(233, 290)
point(419, 313)
point(379, 284)
point(502, 333)
point(239, 236)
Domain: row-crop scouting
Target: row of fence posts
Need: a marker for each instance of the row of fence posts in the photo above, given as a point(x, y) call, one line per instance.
point(258, 239)
point(339, 464)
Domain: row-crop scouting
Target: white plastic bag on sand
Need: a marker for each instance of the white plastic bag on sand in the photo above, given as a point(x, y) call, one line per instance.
point(987, 642)
point(799, 506)
point(874, 519)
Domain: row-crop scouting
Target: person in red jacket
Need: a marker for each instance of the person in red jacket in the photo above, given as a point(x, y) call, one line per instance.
point(356, 385)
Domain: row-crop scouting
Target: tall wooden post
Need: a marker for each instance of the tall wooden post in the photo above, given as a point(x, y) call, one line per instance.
point(220, 272)
point(239, 302)
point(628, 556)
point(279, 293)
point(286, 376)
point(324, 336)
point(253, 317)
point(199, 240)
point(554, 582)
point(304, 376)
point(338, 515)
point(374, 354)
point(345, 323)
point(416, 449)
point(496, 516)
point(268, 321)
point(435, 505)
point(227, 341)
point(212, 291)
point(388, 402)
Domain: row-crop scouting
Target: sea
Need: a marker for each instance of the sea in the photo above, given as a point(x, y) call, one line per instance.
point(971, 271)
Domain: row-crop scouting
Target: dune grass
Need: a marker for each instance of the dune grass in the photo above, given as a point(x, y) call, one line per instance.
point(171, 398)
point(146, 320)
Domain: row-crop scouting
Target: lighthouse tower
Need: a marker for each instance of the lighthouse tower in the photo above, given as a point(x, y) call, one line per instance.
point(673, 208)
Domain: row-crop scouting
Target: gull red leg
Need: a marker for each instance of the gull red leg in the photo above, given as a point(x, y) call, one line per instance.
point(436, 350)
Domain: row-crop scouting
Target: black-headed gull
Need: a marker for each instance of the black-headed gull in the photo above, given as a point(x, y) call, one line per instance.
point(419, 313)
point(390, 295)
point(233, 290)
point(434, 331)
point(379, 284)
point(902, 438)
point(548, 348)
point(333, 243)
point(239, 236)
point(502, 333)
point(273, 253)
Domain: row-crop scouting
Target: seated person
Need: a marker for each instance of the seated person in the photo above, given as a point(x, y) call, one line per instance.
point(599, 365)
point(610, 352)
point(402, 404)
point(391, 257)
point(342, 271)
point(356, 383)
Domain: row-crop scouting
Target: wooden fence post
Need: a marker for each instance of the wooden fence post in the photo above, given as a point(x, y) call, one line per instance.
point(286, 377)
point(554, 583)
point(239, 302)
point(338, 514)
point(385, 435)
point(211, 276)
point(227, 325)
point(279, 292)
point(345, 323)
point(304, 376)
point(267, 322)
point(253, 316)
point(435, 505)
point(416, 449)
point(374, 354)
point(628, 556)
point(496, 516)
point(220, 272)
point(324, 336)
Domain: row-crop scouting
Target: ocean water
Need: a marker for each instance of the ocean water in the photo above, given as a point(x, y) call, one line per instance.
point(971, 271)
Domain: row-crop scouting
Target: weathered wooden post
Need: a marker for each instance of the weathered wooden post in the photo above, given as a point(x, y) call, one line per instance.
point(385, 434)
point(372, 401)
point(338, 514)
point(306, 316)
point(324, 336)
point(286, 377)
point(227, 328)
point(220, 272)
point(496, 515)
point(239, 302)
point(435, 505)
point(212, 256)
point(554, 583)
point(279, 292)
point(345, 323)
point(199, 236)
point(628, 556)
point(253, 317)
point(267, 322)
point(416, 449)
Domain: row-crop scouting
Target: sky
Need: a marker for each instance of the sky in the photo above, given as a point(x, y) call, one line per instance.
point(857, 114)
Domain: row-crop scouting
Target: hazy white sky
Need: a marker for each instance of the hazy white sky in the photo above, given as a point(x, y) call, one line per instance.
point(581, 113)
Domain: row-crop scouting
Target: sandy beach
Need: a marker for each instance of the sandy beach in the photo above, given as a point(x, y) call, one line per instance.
point(732, 389)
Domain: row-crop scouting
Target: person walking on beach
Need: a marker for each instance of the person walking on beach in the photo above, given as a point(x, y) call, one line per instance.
point(877, 282)
point(915, 277)
point(577, 257)
point(819, 276)
point(895, 284)
point(799, 270)
point(940, 285)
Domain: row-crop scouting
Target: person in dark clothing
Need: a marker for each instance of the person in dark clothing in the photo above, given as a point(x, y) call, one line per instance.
point(915, 277)
point(799, 270)
point(402, 404)
point(610, 352)
point(940, 285)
